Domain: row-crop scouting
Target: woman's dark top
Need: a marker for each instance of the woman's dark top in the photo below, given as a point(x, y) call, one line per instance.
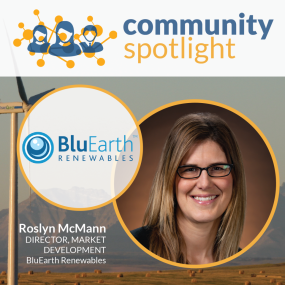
point(143, 236)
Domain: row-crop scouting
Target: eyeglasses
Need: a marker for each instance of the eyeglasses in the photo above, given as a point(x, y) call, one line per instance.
point(215, 170)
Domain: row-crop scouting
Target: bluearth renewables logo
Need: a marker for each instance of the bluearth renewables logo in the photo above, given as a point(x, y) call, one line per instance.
point(38, 147)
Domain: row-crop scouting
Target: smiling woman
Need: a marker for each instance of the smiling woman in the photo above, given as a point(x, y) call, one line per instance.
point(196, 209)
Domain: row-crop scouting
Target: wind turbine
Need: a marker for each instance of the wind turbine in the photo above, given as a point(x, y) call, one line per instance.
point(14, 108)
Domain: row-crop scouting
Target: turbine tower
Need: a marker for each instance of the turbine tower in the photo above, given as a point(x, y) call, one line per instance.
point(14, 108)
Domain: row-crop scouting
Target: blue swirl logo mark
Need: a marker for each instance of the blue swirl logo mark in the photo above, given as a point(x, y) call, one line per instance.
point(38, 147)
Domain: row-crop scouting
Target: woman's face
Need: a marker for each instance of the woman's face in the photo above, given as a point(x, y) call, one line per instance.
point(204, 199)
point(39, 36)
point(64, 35)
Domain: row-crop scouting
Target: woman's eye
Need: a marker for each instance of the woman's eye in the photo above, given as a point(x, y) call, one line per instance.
point(217, 168)
point(220, 168)
point(190, 169)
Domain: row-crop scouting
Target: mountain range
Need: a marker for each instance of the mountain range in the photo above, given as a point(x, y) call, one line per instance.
point(271, 245)
point(121, 253)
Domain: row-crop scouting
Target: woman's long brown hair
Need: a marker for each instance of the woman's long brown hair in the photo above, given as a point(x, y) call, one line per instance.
point(166, 239)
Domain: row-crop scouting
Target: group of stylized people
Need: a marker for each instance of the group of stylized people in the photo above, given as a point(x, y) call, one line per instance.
point(64, 45)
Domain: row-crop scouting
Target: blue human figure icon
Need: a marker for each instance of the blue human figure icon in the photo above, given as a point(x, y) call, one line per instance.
point(90, 47)
point(64, 45)
point(39, 44)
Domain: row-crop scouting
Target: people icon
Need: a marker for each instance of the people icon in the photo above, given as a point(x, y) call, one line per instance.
point(91, 47)
point(64, 45)
point(39, 44)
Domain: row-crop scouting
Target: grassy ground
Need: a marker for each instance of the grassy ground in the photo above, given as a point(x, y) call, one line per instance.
point(216, 275)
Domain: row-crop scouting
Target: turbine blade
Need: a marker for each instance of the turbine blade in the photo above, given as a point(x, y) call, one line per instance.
point(35, 98)
point(21, 89)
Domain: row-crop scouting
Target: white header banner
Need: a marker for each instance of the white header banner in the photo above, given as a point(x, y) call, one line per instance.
point(149, 38)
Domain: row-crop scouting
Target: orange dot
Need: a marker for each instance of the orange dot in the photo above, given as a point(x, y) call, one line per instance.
point(89, 54)
point(41, 38)
point(89, 18)
point(40, 62)
point(58, 19)
point(70, 64)
point(21, 25)
point(32, 53)
point(62, 36)
point(36, 12)
point(99, 30)
point(28, 35)
point(41, 23)
point(76, 36)
point(113, 35)
point(101, 61)
point(17, 42)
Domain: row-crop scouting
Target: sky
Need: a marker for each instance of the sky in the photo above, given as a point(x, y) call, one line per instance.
point(262, 100)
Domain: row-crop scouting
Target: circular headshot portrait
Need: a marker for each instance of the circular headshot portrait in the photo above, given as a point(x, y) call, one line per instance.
point(207, 188)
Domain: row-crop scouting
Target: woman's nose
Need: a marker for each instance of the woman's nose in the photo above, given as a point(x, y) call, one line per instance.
point(204, 181)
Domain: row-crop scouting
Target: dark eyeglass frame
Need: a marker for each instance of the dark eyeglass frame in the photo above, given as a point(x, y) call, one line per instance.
point(206, 168)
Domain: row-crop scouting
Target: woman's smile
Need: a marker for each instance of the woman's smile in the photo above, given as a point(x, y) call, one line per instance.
point(204, 199)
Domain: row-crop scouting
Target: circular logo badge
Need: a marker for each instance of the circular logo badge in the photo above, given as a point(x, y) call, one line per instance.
point(37, 147)
point(91, 154)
